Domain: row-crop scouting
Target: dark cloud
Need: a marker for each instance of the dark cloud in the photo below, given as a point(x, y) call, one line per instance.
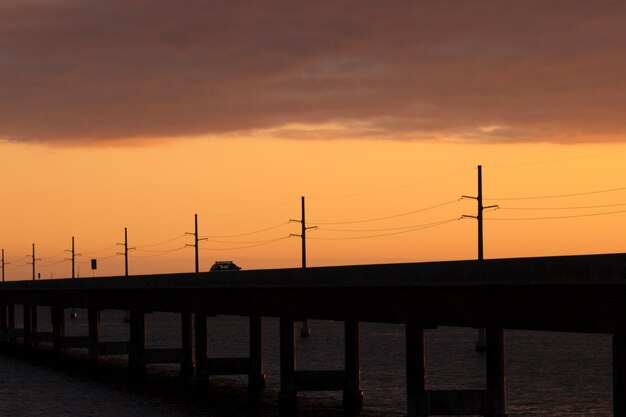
point(75, 71)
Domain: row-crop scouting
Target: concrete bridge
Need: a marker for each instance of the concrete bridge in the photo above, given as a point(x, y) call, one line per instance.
point(571, 293)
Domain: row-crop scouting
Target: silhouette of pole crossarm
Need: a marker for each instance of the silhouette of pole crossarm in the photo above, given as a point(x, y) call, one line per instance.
point(73, 258)
point(126, 249)
point(34, 261)
point(3, 265)
point(196, 240)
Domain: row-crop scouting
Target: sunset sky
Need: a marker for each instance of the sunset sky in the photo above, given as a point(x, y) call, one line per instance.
point(140, 114)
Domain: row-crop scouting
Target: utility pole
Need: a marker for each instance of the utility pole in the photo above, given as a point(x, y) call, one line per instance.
point(305, 331)
point(73, 258)
point(481, 342)
point(34, 261)
point(125, 253)
point(196, 240)
point(126, 249)
point(3, 264)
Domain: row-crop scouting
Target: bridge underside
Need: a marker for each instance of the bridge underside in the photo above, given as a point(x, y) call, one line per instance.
point(574, 294)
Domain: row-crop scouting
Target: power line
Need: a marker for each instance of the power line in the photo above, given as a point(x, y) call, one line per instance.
point(415, 184)
point(558, 195)
point(160, 243)
point(101, 250)
point(559, 217)
point(428, 226)
point(159, 254)
point(392, 216)
point(250, 233)
point(160, 225)
point(240, 242)
point(236, 213)
point(246, 247)
point(564, 208)
point(414, 226)
point(159, 251)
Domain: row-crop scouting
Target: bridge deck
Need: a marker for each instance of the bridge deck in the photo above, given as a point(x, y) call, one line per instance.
point(570, 293)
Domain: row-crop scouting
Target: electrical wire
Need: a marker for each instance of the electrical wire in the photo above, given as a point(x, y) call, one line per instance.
point(162, 250)
point(50, 263)
point(558, 217)
point(237, 213)
point(415, 184)
point(161, 225)
point(100, 250)
point(389, 234)
point(556, 196)
point(563, 208)
point(240, 242)
point(246, 247)
point(249, 233)
point(323, 229)
point(160, 254)
point(52, 256)
point(161, 243)
point(389, 217)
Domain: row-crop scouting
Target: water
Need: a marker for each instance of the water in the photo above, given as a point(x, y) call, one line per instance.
point(548, 374)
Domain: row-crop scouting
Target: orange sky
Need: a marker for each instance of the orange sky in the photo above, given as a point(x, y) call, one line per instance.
point(243, 185)
point(137, 114)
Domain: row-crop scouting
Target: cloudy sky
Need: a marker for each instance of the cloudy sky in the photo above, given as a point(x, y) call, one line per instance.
point(140, 114)
point(80, 71)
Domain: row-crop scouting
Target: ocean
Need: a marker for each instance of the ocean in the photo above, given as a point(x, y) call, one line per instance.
point(548, 374)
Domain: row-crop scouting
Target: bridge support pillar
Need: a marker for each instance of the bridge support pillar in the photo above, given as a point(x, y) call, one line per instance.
point(256, 376)
point(422, 402)
point(186, 364)
point(28, 327)
point(619, 375)
point(33, 326)
point(4, 320)
point(496, 374)
point(93, 318)
point(417, 396)
point(347, 380)
point(352, 393)
point(58, 329)
point(288, 392)
point(11, 322)
point(137, 348)
point(202, 346)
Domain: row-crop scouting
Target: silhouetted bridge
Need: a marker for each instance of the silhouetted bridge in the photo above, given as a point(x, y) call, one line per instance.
point(570, 293)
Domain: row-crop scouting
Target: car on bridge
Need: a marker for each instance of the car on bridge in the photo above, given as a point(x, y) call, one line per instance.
point(222, 266)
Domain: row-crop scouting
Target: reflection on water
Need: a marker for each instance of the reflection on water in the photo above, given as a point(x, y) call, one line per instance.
point(548, 374)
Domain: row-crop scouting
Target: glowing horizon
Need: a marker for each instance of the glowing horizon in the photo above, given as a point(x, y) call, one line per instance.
point(242, 186)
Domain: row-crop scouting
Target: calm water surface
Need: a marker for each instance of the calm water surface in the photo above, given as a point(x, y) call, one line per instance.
point(548, 374)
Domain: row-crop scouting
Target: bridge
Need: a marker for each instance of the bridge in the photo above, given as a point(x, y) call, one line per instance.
point(570, 293)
